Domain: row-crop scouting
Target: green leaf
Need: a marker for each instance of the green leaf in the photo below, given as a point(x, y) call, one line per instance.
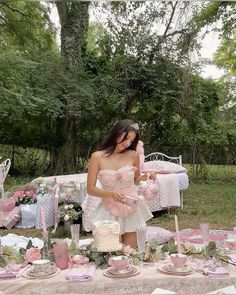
point(29, 245)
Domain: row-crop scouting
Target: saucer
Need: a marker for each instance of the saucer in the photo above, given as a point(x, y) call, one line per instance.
point(40, 275)
point(170, 269)
point(128, 270)
point(133, 271)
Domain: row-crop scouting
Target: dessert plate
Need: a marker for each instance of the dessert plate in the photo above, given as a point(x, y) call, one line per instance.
point(133, 271)
point(40, 275)
point(170, 269)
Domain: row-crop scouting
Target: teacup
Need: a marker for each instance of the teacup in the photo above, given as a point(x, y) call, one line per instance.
point(119, 262)
point(43, 266)
point(178, 260)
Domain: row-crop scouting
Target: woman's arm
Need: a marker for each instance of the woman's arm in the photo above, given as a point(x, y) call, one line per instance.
point(93, 170)
point(141, 177)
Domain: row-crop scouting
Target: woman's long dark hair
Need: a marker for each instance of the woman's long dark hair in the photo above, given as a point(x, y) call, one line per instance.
point(120, 128)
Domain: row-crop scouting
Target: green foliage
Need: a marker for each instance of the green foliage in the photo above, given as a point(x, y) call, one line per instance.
point(9, 255)
point(129, 68)
point(207, 252)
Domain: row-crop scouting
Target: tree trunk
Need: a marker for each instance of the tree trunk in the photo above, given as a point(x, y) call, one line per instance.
point(74, 19)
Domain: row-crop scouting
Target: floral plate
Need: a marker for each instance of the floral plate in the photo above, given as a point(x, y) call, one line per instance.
point(128, 270)
point(114, 273)
point(40, 275)
point(170, 269)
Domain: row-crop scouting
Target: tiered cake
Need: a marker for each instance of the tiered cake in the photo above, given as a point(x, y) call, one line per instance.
point(106, 235)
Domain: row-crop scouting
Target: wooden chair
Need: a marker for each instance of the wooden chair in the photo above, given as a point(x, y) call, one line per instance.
point(4, 169)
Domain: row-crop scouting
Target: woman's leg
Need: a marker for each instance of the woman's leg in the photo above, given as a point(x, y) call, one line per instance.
point(130, 239)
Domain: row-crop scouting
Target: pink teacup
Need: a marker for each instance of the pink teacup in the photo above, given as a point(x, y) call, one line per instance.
point(178, 260)
point(119, 262)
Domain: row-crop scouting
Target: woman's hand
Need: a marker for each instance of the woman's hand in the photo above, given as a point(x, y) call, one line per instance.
point(118, 197)
point(149, 175)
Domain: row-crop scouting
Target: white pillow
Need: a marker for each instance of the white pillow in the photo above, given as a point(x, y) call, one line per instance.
point(163, 167)
point(158, 234)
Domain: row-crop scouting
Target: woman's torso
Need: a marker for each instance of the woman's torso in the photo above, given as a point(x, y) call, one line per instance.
point(117, 172)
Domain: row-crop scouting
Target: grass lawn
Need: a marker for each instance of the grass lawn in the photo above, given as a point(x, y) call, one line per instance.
point(210, 198)
point(215, 203)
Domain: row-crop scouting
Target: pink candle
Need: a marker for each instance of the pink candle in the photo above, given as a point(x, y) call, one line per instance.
point(43, 222)
point(177, 235)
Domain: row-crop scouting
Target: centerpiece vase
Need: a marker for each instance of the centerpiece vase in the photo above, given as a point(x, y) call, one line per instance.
point(67, 225)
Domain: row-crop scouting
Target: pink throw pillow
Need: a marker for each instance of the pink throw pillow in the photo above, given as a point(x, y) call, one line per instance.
point(163, 167)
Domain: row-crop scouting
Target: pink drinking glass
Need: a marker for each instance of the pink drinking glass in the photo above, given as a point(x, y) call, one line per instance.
point(60, 251)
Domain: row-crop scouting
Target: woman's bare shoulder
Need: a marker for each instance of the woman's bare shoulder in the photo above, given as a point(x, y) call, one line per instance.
point(133, 153)
point(97, 154)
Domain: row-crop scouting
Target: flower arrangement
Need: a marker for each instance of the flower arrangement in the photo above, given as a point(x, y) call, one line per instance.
point(25, 197)
point(67, 212)
point(207, 252)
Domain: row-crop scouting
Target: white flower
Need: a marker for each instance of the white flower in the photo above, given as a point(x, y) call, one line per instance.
point(66, 217)
point(129, 251)
point(71, 206)
point(66, 207)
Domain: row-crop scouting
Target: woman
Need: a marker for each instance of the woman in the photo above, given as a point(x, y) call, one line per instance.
point(116, 166)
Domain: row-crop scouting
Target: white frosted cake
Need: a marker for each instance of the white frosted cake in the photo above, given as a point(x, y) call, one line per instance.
point(106, 234)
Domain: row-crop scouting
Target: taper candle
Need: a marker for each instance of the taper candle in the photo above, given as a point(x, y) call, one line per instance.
point(177, 235)
point(43, 222)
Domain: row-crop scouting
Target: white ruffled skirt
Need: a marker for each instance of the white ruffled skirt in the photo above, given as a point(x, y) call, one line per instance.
point(127, 224)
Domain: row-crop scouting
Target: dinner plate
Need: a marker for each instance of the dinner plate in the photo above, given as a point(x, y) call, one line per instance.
point(31, 275)
point(170, 269)
point(134, 272)
point(128, 270)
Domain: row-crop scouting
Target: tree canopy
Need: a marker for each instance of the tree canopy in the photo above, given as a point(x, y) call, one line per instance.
point(132, 60)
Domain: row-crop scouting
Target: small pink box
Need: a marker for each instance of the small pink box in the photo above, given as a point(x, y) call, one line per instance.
point(11, 218)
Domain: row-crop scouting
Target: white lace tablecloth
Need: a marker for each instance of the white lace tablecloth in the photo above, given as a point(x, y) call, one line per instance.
point(148, 280)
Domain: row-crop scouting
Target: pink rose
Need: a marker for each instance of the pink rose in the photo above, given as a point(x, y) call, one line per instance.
point(79, 259)
point(32, 254)
point(19, 194)
point(31, 194)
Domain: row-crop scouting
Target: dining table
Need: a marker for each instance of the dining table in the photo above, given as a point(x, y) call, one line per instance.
point(148, 277)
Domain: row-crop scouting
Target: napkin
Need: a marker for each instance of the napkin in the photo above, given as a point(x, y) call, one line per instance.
point(158, 291)
point(84, 273)
point(217, 272)
point(8, 274)
point(227, 290)
point(233, 258)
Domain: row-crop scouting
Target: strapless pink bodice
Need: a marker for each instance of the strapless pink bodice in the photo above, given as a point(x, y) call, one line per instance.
point(120, 181)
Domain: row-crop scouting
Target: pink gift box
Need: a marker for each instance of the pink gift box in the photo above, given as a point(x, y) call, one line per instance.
point(3, 214)
point(11, 218)
point(7, 205)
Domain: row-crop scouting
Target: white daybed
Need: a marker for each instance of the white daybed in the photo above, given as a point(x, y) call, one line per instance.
point(182, 177)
